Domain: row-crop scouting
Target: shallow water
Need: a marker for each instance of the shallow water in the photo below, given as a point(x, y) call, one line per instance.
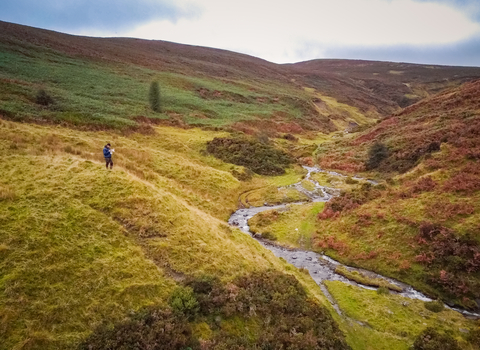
point(320, 266)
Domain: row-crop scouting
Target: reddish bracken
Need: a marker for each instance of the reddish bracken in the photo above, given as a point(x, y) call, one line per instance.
point(462, 182)
point(443, 210)
point(332, 242)
point(327, 214)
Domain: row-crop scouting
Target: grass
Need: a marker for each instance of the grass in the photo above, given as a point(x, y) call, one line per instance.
point(341, 114)
point(294, 226)
point(90, 94)
point(308, 185)
point(394, 318)
point(365, 280)
point(271, 195)
point(81, 246)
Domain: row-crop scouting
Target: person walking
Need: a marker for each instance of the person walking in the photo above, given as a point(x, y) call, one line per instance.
point(107, 153)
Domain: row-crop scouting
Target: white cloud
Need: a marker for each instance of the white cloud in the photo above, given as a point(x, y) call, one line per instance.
point(287, 31)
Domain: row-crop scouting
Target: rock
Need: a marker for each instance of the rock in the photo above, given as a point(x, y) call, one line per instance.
point(463, 330)
point(404, 303)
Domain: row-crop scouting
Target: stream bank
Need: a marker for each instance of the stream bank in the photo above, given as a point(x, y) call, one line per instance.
point(321, 267)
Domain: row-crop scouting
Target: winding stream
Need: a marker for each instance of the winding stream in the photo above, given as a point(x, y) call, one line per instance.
point(321, 267)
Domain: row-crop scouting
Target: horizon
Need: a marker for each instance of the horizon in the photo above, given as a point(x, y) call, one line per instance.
point(241, 53)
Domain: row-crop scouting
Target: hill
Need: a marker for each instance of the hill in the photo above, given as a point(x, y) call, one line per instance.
point(86, 252)
point(421, 223)
point(379, 87)
point(141, 256)
point(109, 77)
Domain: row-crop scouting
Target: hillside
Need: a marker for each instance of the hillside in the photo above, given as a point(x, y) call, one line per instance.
point(86, 250)
point(200, 86)
point(379, 87)
point(141, 256)
point(420, 225)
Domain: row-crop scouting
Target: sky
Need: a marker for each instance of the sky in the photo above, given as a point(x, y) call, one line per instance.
point(281, 31)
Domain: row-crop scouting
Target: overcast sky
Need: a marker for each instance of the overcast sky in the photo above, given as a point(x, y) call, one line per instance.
point(418, 31)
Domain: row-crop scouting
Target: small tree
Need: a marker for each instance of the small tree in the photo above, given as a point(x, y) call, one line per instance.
point(376, 154)
point(43, 98)
point(154, 97)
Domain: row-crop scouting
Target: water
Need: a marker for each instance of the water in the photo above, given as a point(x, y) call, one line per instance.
point(321, 267)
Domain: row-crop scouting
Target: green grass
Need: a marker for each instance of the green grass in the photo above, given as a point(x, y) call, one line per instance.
point(92, 94)
point(365, 280)
point(81, 246)
point(294, 226)
point(397, 319)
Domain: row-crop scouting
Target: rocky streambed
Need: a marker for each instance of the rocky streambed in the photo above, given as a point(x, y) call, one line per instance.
point(321, 267)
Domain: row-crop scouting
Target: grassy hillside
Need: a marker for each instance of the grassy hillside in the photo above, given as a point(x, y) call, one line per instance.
point(379, 88)
point(103, 83)
point(99, 83)
point(420, 225)
point(83, 247)
point(92, 258)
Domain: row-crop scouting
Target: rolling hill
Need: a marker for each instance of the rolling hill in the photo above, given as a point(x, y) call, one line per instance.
point(142, 256)
point(425, 217)
point(200, 86)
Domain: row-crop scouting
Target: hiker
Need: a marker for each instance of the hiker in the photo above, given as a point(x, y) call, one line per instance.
point(107, 153)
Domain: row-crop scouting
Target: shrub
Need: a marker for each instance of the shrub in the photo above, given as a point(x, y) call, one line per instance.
point(277, 299)
point(434, 306)
point(43, 98)
point(376, 154)
point(154, 97)
point(150, 329)
point(259, 157)
point(183, 301)
point(430, 339)
point(452, 260)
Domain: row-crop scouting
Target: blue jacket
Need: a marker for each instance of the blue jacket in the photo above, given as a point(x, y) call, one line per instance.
point(107, 153)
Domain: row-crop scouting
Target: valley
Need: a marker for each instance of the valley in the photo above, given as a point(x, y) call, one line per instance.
point(358, 179)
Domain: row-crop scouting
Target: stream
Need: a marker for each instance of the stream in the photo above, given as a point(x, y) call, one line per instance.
point(321, 267)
